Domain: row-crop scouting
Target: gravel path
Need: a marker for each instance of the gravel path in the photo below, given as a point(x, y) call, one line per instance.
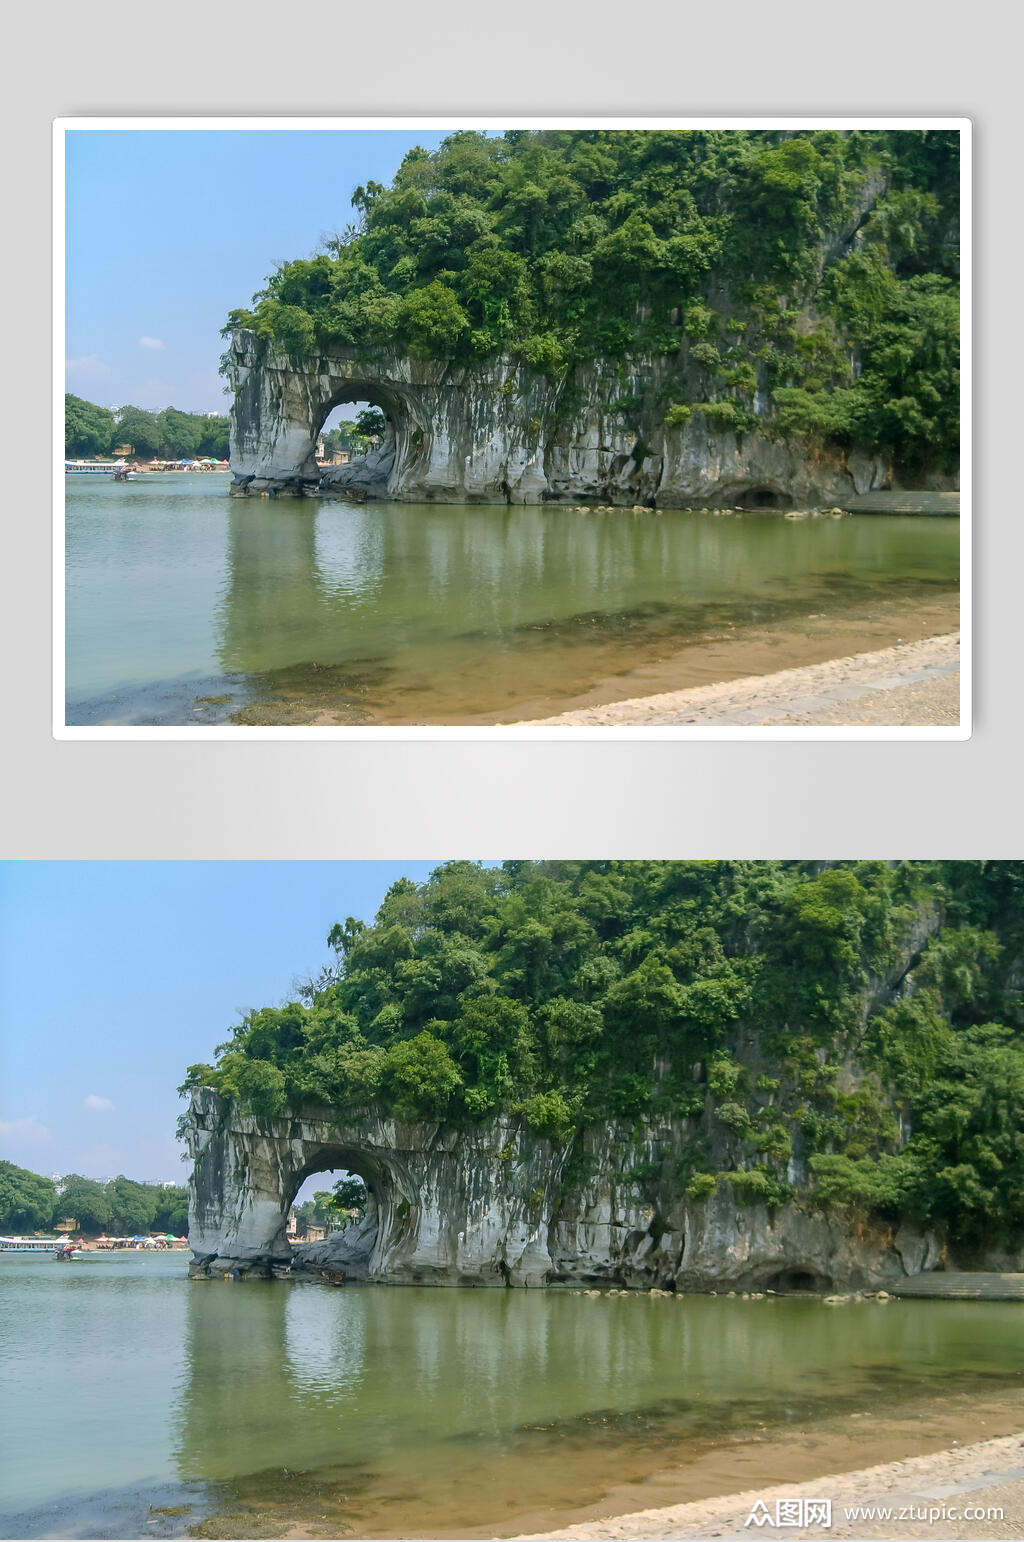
point(908, 685)
point(989, 1474)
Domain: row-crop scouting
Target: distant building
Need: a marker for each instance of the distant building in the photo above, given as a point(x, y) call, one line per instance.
point(122, 451)
point(324, 457)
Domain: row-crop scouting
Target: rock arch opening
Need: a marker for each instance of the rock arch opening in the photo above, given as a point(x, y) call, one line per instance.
point(352, 1227)
point(357, 442)
point(364, 429)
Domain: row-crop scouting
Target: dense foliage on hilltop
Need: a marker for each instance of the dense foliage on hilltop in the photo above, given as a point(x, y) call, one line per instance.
point(30, 1203)
point(857, 1026)
point(816, 271)
point(168, 435)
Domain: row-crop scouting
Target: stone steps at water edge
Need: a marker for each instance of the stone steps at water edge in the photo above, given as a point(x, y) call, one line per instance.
point(950, 1285)
point(903, 503)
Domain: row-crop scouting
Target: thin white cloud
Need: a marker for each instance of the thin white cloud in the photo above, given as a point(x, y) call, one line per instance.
point(29, 1131)
point(151, 342)
point(88, 367)
point(97, 1104)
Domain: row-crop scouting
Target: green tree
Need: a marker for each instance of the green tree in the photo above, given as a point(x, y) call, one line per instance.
point(85, 1201)
point(214, 437)
point(180, 434)
point(142, 430)
point(350, 1195)
point(132, 1205)
point(88, 429)
point(171, 1212)
point(26, 1200)
point(334, 1208)
point(421, 1077)
point(433, 319)
point(371, 423)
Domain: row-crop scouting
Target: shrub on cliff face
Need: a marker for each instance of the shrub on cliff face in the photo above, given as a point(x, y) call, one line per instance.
point(550, 1114)
point(432, 319)
point(859, 1016)
point(420, 1077)
point(568, 245)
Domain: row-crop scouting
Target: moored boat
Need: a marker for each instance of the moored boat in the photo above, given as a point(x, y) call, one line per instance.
point(31, 1244)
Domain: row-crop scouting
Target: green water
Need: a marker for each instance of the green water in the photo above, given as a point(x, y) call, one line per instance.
point(184, 605)
point(126, 1385)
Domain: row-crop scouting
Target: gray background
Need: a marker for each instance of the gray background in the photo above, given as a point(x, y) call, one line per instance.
point(307, 799)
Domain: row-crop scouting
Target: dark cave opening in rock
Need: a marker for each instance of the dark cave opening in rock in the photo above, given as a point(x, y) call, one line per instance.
point(763, 498)
point(797, 1282)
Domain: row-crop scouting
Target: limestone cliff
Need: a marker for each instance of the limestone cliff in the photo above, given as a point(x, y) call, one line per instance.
point(499, 432)
point(497, 1205)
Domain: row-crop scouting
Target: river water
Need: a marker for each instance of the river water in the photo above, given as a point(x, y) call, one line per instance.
point(185, 606)
point(139, 1403)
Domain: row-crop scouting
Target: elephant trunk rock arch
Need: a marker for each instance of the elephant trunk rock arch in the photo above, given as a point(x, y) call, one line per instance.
point(446, 1206)
point(496, 1204)
point(500, 432)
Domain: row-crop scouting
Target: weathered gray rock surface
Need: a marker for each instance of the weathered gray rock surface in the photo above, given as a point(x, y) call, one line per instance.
point(496, 1205)
point(348, 1251)
point(500, 432)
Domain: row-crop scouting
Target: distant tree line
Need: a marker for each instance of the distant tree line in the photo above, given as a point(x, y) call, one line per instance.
point(333, 1208)
point(356, 435)
point(29, 1202)
point(168, 435)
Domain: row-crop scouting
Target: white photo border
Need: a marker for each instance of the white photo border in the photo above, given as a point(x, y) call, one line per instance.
point(546, 733)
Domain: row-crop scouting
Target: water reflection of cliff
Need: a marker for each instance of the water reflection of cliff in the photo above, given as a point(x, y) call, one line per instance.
point(291, 578)
point(372, 1382)
point(334, 582)
point(300, 1376)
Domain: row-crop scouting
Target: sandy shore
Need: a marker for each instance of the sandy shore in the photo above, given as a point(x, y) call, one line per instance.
point(933, 1491)
point(915, 684)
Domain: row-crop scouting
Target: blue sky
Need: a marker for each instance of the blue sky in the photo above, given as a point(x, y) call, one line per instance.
point(114, 976)
point(168, 230)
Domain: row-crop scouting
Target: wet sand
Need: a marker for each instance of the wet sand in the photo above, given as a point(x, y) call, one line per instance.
point(571, 674)
point(926, 1496)
point(911, 684)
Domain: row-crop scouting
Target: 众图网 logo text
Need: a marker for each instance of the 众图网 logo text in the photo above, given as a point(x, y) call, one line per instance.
point(791, 1512)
